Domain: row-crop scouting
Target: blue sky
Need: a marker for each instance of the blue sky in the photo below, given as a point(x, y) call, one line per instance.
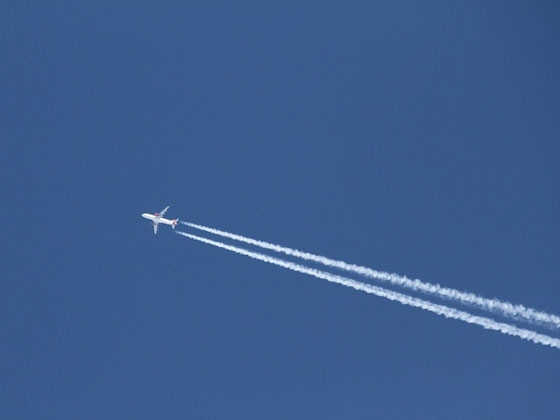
point(418, 138)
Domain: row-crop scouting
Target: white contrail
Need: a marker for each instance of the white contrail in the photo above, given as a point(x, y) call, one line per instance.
point(447, 312)
point(493, 305)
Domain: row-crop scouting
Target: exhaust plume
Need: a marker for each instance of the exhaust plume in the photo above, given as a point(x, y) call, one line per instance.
point(507, 309)
point(445, 311)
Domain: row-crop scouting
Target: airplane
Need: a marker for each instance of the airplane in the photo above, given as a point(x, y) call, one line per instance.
point(158, 218)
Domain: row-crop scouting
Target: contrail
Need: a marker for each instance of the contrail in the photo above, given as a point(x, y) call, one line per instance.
point(492, 305)
point(447, 312)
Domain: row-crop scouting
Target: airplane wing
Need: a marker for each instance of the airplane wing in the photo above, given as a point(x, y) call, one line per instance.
point(161, 213)
point(155, 228)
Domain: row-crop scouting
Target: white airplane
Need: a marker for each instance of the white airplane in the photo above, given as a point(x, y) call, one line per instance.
point(158, 218)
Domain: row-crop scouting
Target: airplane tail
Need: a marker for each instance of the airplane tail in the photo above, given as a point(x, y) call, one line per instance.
point(174, 223)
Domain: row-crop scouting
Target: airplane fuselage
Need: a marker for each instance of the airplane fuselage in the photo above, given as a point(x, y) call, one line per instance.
point(160, 220)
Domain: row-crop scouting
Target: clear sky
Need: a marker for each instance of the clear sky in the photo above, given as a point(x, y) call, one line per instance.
point(414, 137)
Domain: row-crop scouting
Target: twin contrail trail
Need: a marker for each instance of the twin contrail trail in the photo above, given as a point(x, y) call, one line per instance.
point(445, 311)
point(491, 305)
